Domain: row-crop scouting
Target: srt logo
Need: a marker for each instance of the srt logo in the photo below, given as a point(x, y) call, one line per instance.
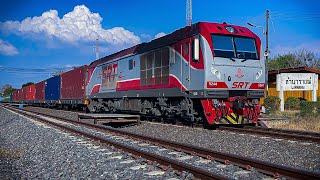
point(243, 85)
point(239, 73)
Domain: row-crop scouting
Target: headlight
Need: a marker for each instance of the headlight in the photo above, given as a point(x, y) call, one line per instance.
point(231, 29)
point(258, 74)
point(216, 72)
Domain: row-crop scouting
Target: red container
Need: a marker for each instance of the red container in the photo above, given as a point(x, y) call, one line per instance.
point(30, 92)
point(39, 90)
point(73, 84)
point(18, 95)
point(24, 94)
point(15, 95)
point(21, 95)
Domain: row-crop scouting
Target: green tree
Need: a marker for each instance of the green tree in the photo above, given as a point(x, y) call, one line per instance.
point(27, 84)
point(282, 62)
point(7, 90)
point(300, 58)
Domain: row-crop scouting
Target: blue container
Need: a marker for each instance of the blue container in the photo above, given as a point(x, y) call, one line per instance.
point(20, 105)
point(52, 89)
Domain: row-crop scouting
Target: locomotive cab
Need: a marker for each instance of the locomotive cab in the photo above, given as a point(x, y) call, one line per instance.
point(234, 75)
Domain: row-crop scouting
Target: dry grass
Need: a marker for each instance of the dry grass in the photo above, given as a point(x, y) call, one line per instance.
point(297, 123)
point(10, 154)
point(285, 114)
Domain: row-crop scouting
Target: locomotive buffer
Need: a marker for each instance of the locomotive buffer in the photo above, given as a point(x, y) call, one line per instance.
point(110, 118)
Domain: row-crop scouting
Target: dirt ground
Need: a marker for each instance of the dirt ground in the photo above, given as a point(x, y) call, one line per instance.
point(295, 121)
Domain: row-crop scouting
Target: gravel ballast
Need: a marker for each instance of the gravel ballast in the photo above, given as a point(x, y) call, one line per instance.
point(279, 151)
point(38, 151)
point(297, 154)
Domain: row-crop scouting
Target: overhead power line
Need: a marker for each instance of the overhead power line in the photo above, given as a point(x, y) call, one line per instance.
point(294, 16)
point(14, 70)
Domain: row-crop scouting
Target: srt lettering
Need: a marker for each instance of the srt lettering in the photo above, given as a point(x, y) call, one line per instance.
point(240, 85)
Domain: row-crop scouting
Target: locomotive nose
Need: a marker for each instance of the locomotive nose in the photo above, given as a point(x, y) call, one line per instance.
point(238, 104)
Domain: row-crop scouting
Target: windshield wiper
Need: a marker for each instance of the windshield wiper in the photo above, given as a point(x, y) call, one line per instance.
point(232, 59)
point(244, 60)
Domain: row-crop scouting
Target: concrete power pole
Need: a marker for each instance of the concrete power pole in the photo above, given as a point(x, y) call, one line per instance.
point(267, 35)
point(266, 53)
point(188, 12)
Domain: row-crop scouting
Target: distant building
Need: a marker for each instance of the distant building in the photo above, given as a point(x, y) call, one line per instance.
point(301, 71)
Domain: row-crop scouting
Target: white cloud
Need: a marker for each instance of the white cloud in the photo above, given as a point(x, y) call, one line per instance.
point(145, 37)
point(159, 35)
point(78, 25)
point(7, 49)
point(310, 46)
point(71, 65)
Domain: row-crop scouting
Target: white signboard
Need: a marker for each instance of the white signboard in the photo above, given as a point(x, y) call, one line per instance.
point(297, 81)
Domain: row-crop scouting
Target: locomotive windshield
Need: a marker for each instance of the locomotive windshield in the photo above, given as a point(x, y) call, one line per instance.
point(234, 47)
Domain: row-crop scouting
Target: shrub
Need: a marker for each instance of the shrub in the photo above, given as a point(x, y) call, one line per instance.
point(302, 99)
point(310, 108)
point(318, 98)
point(292, 103)
point(272, 103)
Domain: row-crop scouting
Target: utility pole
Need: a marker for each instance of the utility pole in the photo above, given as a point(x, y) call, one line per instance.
point(266, 52)
point(267, 35)
point(267, 49)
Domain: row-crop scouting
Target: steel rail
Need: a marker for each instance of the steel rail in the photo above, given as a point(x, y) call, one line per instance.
point(293, 135)
point(244, 162)
point(305, 133)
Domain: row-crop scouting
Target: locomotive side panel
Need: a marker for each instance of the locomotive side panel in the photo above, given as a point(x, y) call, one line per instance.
point(93, 80)
point(128, 74)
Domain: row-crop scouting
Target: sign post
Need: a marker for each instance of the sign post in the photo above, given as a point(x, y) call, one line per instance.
point(296, 82)
point(315, 88)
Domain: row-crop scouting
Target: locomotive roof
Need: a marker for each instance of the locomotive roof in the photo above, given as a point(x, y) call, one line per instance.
point(156, 43)
point(160, 42)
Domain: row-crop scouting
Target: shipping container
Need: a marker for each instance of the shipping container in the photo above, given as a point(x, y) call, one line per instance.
point(52, 88)
point(24, 94)
point(30, 92)
point(15, 95)
point(18, 95)
point(21, 95)
point(73, 84)
point(39, 90)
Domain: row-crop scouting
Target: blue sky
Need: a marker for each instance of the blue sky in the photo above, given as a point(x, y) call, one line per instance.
point(39, 37)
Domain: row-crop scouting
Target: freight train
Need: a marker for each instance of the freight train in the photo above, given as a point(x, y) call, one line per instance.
point(207, 73)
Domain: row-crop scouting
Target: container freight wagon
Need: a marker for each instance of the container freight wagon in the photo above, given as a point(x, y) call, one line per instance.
point(52, 89)
point(6, 98)
point(21, 95)
point(18, 96)
point(40, 92)
point(73, 86)
point(15, 96)
point(30, 93)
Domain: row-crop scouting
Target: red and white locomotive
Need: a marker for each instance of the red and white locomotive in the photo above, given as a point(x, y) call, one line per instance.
point(208, 72)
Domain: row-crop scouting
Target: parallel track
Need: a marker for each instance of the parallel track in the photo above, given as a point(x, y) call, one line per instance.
point(277, 133)
point(243, 162)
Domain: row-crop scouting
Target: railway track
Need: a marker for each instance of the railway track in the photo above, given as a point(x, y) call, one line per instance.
point(247, 164)
point(277, 133)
